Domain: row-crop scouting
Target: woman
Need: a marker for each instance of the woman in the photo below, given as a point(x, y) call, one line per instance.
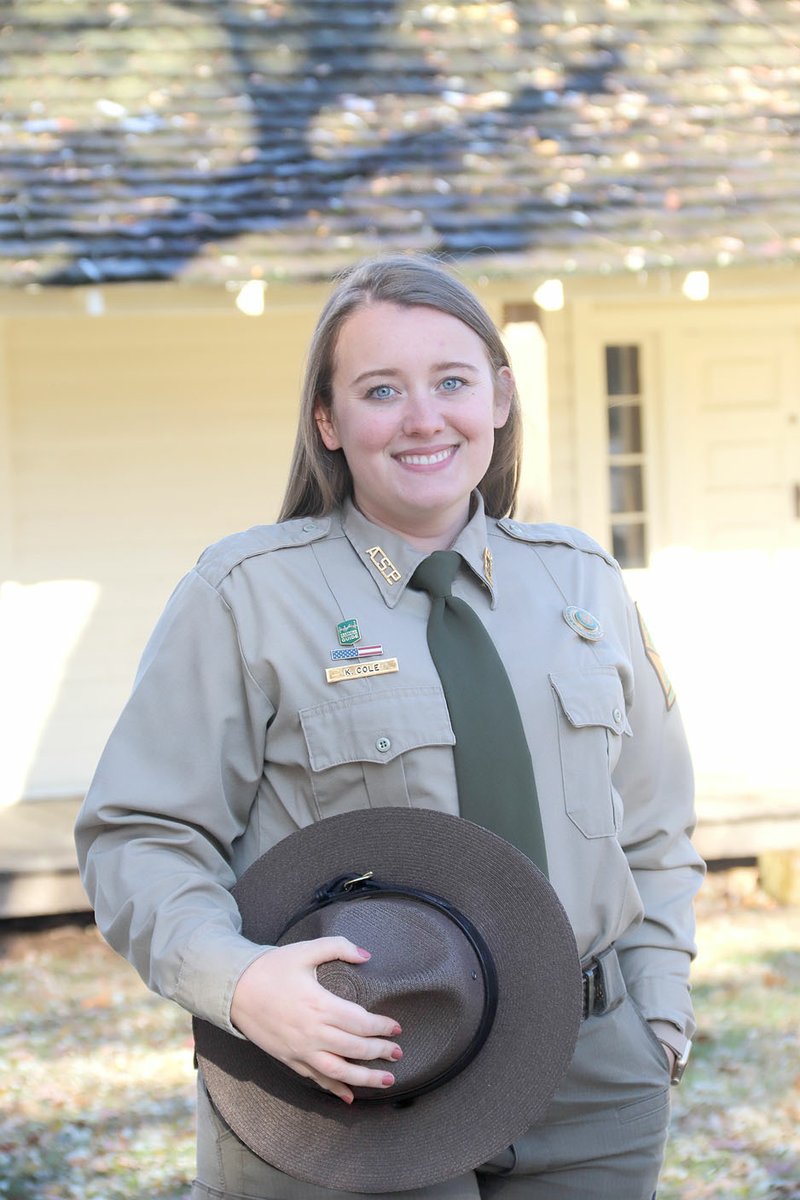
point(239, 731)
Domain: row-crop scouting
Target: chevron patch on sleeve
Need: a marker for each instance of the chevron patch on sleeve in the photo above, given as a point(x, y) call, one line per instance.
point(655, 661)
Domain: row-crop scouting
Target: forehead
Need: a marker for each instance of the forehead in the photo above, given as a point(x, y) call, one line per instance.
point(403, 333)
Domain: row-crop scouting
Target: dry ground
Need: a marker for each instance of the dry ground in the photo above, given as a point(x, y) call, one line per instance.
point(96, 1079)
point(736, 1120)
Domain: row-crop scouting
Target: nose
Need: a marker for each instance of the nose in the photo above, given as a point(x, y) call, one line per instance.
point(422, 415)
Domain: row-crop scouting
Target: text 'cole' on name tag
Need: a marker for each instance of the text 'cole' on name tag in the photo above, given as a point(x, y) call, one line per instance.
point(360, 670)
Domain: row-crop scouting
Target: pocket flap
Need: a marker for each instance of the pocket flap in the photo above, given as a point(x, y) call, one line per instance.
point(592, 698)
point(375, 728)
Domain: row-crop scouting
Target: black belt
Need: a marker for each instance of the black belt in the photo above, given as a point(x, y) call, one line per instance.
point(595, 995)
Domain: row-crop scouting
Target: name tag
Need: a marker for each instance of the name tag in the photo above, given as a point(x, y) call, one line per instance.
point(360, 670)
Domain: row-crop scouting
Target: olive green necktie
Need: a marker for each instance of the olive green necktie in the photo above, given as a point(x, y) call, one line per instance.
point(494, 773)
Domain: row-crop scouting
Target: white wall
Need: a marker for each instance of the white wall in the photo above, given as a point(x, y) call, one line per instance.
point(132, 442)
point(723, 582)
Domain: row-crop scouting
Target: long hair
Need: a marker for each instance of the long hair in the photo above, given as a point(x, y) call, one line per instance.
point(320, 479)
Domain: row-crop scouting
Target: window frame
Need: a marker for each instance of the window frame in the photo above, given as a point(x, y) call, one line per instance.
point(620, 519)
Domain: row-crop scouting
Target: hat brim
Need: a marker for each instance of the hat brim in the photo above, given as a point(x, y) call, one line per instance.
point(377, 1147)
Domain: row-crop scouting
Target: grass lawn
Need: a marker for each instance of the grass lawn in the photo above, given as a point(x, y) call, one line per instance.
point(96, 1078)
point(736, 1118)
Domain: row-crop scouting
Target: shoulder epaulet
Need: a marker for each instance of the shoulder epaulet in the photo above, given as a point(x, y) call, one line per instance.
point(217, 561)
point(555, 535)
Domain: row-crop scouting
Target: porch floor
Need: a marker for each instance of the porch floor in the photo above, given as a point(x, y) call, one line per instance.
point(38, 869)
point(39, 876)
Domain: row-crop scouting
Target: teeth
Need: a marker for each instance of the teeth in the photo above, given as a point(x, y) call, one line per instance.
point(421, 460)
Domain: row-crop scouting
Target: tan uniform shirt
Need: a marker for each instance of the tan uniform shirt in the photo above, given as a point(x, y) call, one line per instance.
point(233, 738)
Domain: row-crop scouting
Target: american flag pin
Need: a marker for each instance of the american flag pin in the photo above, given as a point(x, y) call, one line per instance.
point(343, 652)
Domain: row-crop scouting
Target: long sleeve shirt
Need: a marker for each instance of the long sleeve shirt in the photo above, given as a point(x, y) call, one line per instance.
point(242, 727)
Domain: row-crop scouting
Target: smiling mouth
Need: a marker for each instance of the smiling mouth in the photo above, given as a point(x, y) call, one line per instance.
point(427, 460)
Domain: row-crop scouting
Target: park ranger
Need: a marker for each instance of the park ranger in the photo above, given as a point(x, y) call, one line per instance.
point(301, 670)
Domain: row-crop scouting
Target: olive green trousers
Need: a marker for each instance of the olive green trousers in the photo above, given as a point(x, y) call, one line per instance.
point(602, 1137)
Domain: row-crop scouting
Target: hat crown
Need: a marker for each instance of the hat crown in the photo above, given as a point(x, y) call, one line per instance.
point(424, 973)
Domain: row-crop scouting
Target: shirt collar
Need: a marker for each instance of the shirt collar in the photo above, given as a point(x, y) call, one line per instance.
point(391, 562)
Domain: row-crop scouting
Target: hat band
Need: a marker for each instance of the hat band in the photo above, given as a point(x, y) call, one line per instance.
point(359, 886)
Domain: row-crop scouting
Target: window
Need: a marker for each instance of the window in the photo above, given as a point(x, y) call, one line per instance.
point(626, 456)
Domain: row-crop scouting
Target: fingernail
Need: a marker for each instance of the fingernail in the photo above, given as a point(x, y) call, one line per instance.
point(394, 1032)
point(347, 1099)
point(397, 1053)
point(388, 1080)
point(364, 953)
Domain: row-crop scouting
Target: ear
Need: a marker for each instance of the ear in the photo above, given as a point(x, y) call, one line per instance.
point(327, 428)
point(503, 394)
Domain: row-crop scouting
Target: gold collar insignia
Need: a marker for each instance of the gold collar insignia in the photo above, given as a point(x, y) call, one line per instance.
point(383, 564)
point(488, 567)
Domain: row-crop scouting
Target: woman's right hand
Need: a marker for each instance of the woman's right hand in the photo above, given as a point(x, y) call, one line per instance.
point(279, 1005)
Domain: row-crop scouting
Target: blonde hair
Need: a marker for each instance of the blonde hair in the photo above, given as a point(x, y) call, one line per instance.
point(319, 478)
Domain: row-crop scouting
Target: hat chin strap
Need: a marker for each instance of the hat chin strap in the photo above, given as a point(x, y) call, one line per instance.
point(362, 885)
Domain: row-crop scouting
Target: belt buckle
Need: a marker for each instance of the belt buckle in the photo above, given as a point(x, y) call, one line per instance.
point(590, 987)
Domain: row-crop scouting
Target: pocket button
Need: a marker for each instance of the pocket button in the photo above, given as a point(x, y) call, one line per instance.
point(383, 744)
point(617, 715)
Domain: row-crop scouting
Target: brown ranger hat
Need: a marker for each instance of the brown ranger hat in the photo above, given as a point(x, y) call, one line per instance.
point(473, 955)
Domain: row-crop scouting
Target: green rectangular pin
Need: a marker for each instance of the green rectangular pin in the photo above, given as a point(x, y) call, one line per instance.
point(348, 632)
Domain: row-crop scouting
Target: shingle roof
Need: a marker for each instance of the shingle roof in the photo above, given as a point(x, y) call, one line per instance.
point(208, 139)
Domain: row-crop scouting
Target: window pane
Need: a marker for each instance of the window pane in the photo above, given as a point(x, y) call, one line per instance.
point(625, 429)
point(622, 370)
point(627, 489)
point(629, 545)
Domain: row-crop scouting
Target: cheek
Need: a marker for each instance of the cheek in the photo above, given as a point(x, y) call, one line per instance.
point(374, 434)
point(480, 423)
point(368, 435)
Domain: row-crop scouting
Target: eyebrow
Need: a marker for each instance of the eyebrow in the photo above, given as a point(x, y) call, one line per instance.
point(392, 373)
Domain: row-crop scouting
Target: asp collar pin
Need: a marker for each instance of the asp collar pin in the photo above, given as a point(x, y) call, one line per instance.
point(583, 623)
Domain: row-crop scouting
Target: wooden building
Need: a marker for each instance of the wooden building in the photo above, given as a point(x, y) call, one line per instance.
point(619, 181)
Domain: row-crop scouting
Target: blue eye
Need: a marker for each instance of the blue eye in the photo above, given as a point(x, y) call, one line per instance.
point(452, 384)
point(383, 391)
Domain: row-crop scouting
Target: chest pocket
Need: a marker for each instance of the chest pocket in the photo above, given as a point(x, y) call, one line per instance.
point(356, 747)
point(591, 721)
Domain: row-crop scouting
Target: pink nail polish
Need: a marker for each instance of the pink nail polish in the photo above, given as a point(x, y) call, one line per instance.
point(397, 1054)
point(388, 1080)
point(364, 953)
point(394, 1032)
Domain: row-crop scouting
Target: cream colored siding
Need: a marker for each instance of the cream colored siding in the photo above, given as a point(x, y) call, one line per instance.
point(135, 441)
